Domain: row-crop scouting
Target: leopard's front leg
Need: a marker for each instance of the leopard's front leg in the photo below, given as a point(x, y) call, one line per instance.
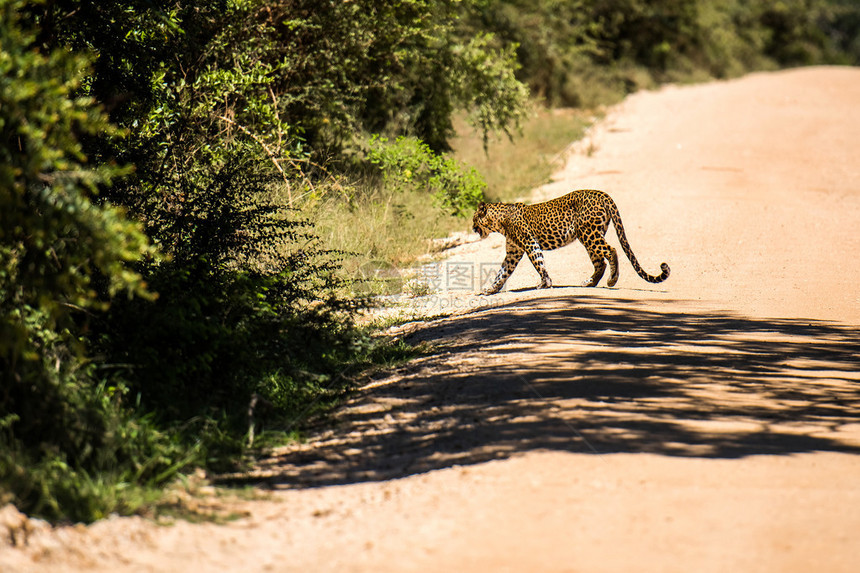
point(512, 259)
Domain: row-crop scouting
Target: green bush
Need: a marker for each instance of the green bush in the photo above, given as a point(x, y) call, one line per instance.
point(408, 164)
point(105, 394)
point(66, 436)
point(249, 302)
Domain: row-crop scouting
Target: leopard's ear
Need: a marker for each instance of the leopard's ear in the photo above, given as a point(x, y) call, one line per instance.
point(481, 210)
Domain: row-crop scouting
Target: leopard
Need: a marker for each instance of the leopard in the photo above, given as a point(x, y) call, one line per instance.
point(582, 215)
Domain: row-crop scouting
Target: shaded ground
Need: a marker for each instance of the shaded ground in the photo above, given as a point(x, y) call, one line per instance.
point(709, 423)
point(613, 375)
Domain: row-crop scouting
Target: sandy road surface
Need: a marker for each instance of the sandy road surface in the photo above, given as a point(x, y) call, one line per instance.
point(709, 423)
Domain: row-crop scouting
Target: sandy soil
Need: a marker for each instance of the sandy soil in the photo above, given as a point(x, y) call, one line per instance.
point(709, 423)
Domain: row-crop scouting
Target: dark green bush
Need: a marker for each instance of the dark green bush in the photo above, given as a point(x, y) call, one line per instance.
point(249, 295)
point(69, 445)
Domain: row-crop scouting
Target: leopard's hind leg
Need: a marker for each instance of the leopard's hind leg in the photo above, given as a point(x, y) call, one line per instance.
point(599, 251)
point(613, 267)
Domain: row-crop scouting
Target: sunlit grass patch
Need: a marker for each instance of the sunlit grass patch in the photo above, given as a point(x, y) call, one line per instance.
point(512, 168)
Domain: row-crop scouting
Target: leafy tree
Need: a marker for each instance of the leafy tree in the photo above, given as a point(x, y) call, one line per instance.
point(387, 67)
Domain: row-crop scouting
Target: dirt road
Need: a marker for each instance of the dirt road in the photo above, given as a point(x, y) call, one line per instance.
point(708, 423)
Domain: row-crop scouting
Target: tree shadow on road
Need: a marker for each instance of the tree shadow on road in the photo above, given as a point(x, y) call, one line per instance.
point(594, 375)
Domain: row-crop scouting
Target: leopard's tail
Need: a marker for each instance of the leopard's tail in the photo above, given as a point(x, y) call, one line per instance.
point(619, 228)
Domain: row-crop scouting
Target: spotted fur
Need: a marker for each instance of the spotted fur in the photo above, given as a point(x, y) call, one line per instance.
point(532, 229)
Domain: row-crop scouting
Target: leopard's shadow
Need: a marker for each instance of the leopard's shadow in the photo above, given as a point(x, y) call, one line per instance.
point(601, 374)
point(583, 288)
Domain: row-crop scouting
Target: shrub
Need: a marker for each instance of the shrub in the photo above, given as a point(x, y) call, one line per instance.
point(63, 429)
point(408, 163)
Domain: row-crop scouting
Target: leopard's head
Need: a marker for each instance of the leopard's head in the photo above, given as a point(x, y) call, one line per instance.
point(480, 224)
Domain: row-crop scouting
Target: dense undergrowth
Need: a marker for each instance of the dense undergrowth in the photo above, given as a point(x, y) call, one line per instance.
point(189, 190)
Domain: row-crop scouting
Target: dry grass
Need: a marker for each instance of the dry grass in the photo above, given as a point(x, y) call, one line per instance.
point(512, 168)
point(378, 226)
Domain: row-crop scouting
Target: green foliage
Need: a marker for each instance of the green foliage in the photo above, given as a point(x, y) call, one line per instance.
point(52, 237)
point(487, 86)
point(72, 451)
point(139, 45)
point(409, 164)
point(249, 295)
point(60, 429)
point(553, 42)
point(249, 302)
point(380, 226)
point(401, 68)
point(585, 52)
point(840, 23)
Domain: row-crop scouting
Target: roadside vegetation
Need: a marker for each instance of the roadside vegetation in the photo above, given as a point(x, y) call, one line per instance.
point(189, 189)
